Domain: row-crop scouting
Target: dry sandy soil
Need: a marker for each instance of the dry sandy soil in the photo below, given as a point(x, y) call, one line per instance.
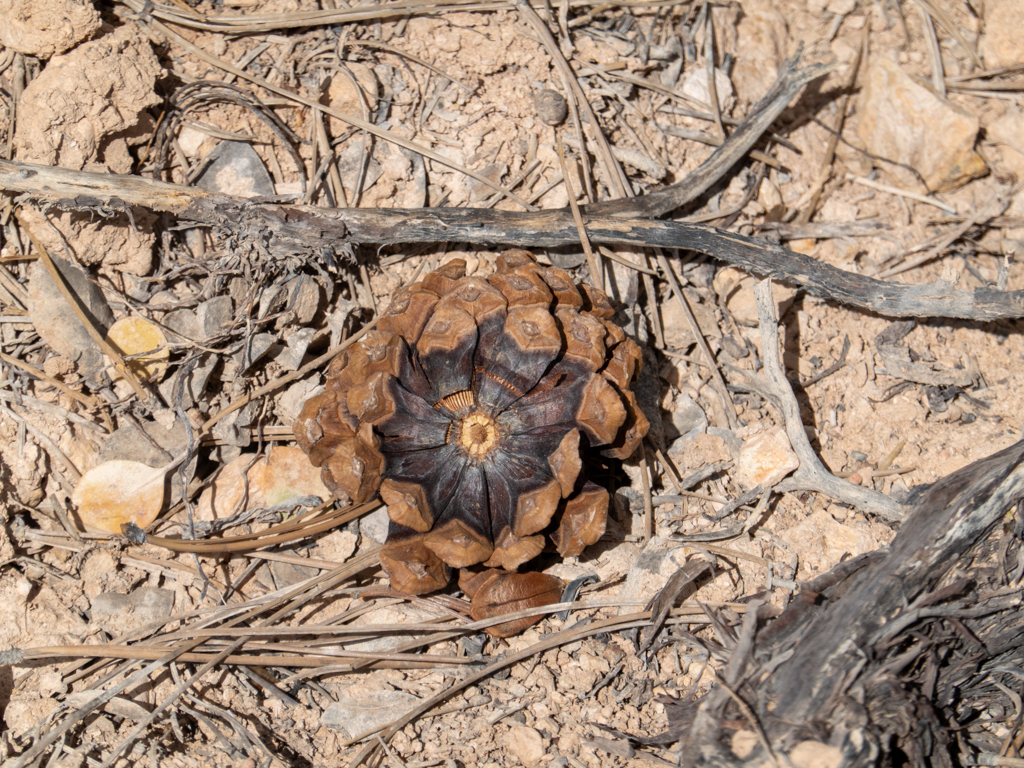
point(105, 88)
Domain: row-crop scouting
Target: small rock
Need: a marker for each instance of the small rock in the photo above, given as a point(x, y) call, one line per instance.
point(688, 417)
point(551, 107)
point(342, 94)
point(822, 541)
point(698, 450)
point(629, 500)
point(649, 572)
point(271, 300)
point(234, 168)
point(763, 30)
point(258, 345)
point(743, 743)
point(677, 329)
point(842, 7)
point(374, 526)
point(525, 744)
point(290, 355)
point(214, 316)
point(195, 383)
point(338, 545)
point(304, 298)
point(569, 260)
point(860, 375)
point(184, 323)
point(291, 401)
point(90, 104)
point(1008, 133)
point(765, 459)
point(1001, 44)
point(695, 86)
point(389, 615)
point(153, 444)
point(736, 288)
point(906, 123)
point(493, 171)
point(623, 284)
point(288, 574)
point(815, 754)
point(733, 442)
point(234, 428)
point(284, 475)
point(358, 714)
point(116, 612)
point(350, 164)
point(57, 324)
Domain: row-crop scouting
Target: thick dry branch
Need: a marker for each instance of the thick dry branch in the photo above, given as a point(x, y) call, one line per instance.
point(742, 140)
point(812, 474)
point(826, 652)
point(306, 229)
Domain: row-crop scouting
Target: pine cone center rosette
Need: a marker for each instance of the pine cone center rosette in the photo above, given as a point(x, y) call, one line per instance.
point(470, 409)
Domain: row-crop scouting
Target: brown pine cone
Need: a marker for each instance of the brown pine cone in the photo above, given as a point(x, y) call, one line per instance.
point(470, 409)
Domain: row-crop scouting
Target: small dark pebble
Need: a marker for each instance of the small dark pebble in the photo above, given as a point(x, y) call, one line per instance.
point(551, 107)
point(969, 418)
point(858, 456)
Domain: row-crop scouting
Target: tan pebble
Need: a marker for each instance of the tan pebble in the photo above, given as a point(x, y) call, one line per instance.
point(132, 336)
point(525, 744)
point(118, 492)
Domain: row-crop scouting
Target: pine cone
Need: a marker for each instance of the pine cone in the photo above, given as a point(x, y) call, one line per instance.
point(472, 410)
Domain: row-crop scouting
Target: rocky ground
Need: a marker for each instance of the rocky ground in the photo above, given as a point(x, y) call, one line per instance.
point(903, 163)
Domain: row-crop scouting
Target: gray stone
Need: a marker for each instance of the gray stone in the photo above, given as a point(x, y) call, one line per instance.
point(688, 417)
point(288, 574)
point(118, 705)
point(215, 316)
point(234, 428)
point(374, 526)
point(271, 300)
point(289, 405)
point(184, 323)
point(350, 164)
point(56, 322)
point(567, 260)
point(258, 345)
point(152, 444)
point(359, 714)
point(195, 383)
point(233, 167)
point(732, 440)
point(304, 299)
point(290, 355)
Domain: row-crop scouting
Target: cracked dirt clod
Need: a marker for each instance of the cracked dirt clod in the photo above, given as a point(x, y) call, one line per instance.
point(473, 410)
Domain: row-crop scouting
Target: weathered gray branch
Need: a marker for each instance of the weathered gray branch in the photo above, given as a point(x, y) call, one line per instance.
point(304, 229)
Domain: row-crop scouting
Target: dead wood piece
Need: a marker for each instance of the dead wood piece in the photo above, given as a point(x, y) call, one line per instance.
point(662, 201)
point(836, 658)
point(812, 475)
point(305, 230)
point(899, 365)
